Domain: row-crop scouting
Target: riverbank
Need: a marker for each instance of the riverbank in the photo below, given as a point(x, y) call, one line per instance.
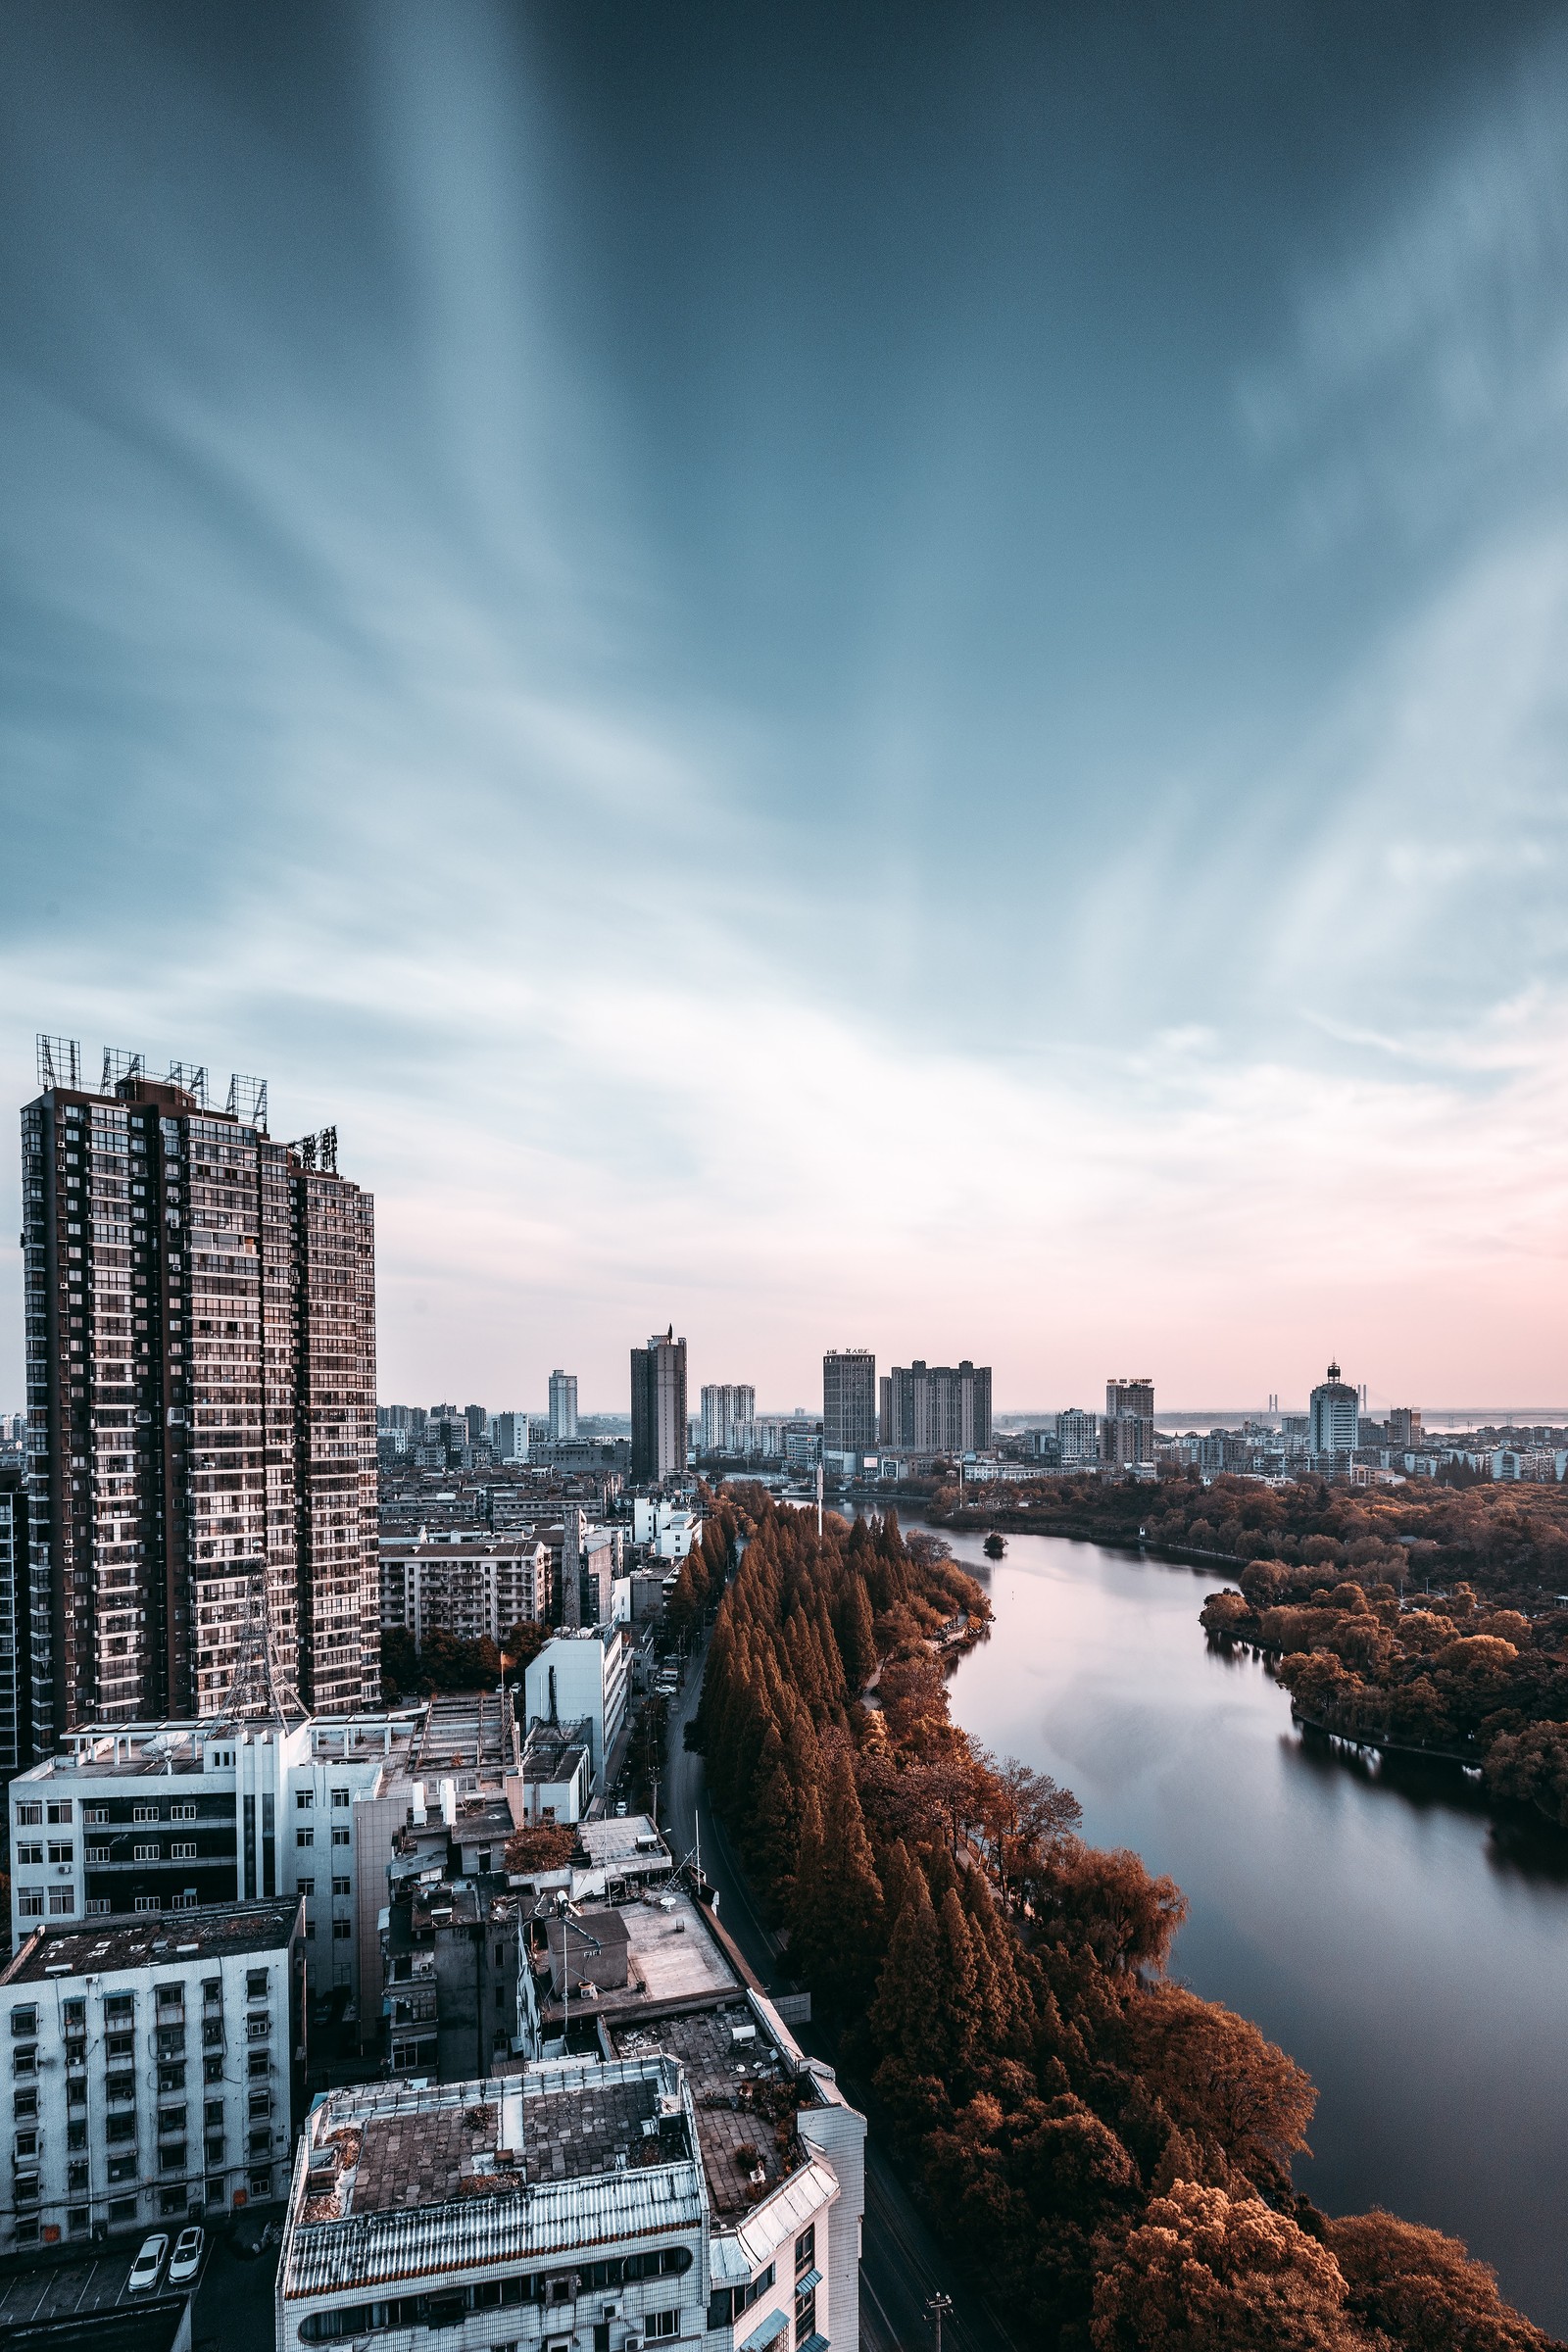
point(1372, 1913)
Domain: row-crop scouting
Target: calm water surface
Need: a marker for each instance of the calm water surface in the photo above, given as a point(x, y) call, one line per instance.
point(1410, 1951)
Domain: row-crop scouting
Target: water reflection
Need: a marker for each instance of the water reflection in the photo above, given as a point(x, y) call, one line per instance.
point(1397, 1934)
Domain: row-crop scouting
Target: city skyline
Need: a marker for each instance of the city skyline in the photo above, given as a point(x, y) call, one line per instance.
point(747, 455)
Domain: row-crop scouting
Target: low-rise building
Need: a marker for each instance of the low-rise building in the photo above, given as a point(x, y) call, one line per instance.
point(695, 2177)
point(469, 1582)
point(583, 1675)
point(157, 2069)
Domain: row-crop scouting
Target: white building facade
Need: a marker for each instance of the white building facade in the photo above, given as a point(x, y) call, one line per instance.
point(155, 2071)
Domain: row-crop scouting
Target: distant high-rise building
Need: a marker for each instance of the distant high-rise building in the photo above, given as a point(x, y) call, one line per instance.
point(511, 1437)
point(658, 1408)
point(563, 1406)
point(849, 1400)
point(1127, 1436)
point(1405, 1426)
point(477, 1421)
point(727, 1416)
point(1077, 1437)
point(938, 1408)
point(201, 1364)
point(1334, 1416)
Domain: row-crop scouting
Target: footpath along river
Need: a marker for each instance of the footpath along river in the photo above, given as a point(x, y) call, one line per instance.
point(1408, 1949)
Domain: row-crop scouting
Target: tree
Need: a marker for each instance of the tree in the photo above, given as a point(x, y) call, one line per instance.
point(1423, 2291)
point(1109, 1903)
point(540, 1847)
point(521, 1645)
point(1530, 1767)
point(400, 1663)
point(838, 1926)
point(1204, 2272)
point(1220, 2081)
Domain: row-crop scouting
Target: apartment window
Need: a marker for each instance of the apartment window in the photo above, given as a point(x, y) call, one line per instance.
point(146, 1854)
point(24, 2020)
point(98, 1853)
point(171, 2078)
point(257, 1981)
point(29, 1817)
point(304, 1799)
point(305, 1885)
point(805, 2316)
point(75, 2136)
point(342, 1837)
point(806, 2249)
point(60, 1811)
point(62, 1903)
point(262, 2184)
point(97, 1905)
point(122, 2209)
point(310, 1930)
point(120, 2046)
point(144, 1813)
point(26, 2190)
point(260, 2104)
point(341, 1887)
point(183, 1849)
point(23, 2102)
point(172, 2159)
point(120, 2128)
point(120, 2006)
point(342, 1929)
point(26, 2144)
point(25, 2059)
point(261, 2062)
point(661, 2324)
point(149, 1902)
point(29, 1903)
point(182, 1812)
point(97, 1814)
point(30, 1850)
point(340, 1801)
point(305, 1837)
point(212, 2070)
point(62, 1849)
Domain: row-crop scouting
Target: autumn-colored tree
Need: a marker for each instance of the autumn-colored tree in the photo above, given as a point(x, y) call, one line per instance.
point(1109, 1903)
point(539, 1847)
point(1221, 2083)
point(836, 1930)
point(1422, 2291)
point(1204, 2272)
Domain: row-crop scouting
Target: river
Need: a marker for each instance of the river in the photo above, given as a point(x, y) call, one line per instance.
point(1408, 1950)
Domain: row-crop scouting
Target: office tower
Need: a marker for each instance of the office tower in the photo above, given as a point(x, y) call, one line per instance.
point(938, 1409)
point(563, 1406)
point(1334, 1416)
point(201, 1392)
point(849, 1400)
point(1404, 1427)
point(658, 1409)
point(476, 1421)
point(1128, 1434)
point(728, 1414)
point(15, 1680)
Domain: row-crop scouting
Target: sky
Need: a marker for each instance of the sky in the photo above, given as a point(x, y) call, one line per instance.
point(841, 675)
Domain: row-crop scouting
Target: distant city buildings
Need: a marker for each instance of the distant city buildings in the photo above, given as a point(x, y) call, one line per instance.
point(1077, 1437)
point(201, 1348)
point(658, 1409)
point(936, 1408)
point(727, 1414)
point(509, 1435)
point(563, 1406)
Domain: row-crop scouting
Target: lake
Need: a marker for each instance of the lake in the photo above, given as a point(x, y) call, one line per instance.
point(1408, 1949)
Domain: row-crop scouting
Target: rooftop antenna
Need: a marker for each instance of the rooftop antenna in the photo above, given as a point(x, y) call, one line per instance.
point(247, 1100)
point(257, 1686)
point(191, 1078)
point(59, 1063)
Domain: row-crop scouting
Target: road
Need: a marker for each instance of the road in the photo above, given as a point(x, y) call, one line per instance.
point(902, 2264)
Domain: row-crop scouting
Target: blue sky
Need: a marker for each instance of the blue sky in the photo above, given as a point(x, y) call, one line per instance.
point(853, 676)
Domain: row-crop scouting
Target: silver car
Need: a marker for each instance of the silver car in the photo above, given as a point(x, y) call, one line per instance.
point(144, 2271)
point(187, 2257)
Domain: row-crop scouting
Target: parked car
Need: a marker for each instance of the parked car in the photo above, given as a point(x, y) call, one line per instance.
point(187, 2260)
point(145, 2269)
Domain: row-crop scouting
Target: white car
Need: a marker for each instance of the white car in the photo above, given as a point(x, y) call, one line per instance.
point(145, 2269)
point(187, 2257)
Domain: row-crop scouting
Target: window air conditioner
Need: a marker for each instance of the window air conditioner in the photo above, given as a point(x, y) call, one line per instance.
point(609, 2311)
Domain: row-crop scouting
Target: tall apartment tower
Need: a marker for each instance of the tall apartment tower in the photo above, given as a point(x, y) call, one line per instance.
point(658, 1409)
point(1128, 1430)
point(201, 1405)
point(16, 1679)
point(563, 1406)
point(938, 1408)
point(849, 1400)
point(728, 1414)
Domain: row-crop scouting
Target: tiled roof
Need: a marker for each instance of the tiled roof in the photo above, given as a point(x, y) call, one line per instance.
point(536, 2225)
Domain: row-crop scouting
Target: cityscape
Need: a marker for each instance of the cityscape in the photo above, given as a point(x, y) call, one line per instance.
point(783, 1428)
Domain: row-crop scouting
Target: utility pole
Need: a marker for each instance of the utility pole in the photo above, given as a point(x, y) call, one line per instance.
point(937, 2305)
